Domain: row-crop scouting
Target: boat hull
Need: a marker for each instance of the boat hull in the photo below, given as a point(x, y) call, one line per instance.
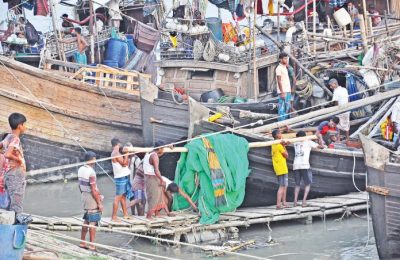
point(385, 209)
point(332, 169)
point(65, 115)
point(43, 154)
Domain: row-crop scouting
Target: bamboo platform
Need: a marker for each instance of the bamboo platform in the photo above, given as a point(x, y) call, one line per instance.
point(186, 223)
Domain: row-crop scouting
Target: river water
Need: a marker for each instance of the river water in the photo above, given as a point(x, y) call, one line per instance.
point(331, 239)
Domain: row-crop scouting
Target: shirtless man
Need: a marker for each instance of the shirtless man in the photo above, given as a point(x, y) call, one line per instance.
point(80, 55)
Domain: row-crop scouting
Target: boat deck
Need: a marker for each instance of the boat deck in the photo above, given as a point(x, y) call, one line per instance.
point(187, 223)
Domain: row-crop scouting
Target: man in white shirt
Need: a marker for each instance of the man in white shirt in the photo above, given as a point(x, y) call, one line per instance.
point(115, 13)
point(301, 166)
point(340, 98)
point(395, 117)
point(283, 87)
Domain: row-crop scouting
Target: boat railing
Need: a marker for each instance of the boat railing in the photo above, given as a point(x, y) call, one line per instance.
point(107, 77)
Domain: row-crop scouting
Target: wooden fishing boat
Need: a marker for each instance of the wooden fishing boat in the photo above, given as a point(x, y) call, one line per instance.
point(66, 115)
point(336, 171)
point(333, 169)
point(383, 185)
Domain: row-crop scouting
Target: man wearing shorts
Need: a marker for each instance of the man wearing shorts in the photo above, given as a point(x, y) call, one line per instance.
point(301, 166)
point(279, 156)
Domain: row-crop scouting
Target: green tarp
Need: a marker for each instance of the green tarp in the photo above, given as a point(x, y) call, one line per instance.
point(194, 177)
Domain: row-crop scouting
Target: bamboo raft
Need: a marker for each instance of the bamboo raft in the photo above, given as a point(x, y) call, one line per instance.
point(185, 224)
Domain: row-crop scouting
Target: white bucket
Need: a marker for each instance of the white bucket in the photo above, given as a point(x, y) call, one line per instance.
point(342, 17)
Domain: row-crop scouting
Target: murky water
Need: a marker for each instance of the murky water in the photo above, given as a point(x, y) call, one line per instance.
point(321, 240)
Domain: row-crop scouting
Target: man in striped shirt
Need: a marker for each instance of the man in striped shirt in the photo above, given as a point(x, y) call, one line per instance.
point(91, 198)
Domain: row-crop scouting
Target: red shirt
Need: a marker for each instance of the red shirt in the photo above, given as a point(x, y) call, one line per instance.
point(326, 129)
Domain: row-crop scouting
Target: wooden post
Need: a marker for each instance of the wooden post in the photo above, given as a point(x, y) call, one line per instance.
point(388, 6)
point(322, 85)
point(57, 33)
point(365, 15)
point(278, 35)
point(363, 33)
point(91, 31)
point(306, 10)
point(255, 72)
point(386, 24)
point(315, 25)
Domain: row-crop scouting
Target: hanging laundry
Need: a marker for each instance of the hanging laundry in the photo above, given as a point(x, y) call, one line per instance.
point(240, 12)
point(271, 6)
point(225, 4)
point(41, 8)
point(145, 37)
point(14, 4)
point(260, 7)
point(28, 5)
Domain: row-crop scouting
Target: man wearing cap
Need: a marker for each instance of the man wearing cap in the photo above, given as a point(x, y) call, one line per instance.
point(283, 87)
point(340, 98)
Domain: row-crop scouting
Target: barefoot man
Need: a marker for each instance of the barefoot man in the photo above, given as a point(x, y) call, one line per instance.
point(154, 182)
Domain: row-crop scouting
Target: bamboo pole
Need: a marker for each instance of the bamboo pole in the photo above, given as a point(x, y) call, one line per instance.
point(365, 15)
point(57, 33)
point(91, 31)
point(363, 33)
point(251, 145)
point(326, 112)
point(278, 35)
point(314, 25)
point(255, 72)
point(297, 62)
point(306, 10)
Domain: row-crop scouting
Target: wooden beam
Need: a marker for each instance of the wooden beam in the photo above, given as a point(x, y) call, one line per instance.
point(326, 112)
point(378, 190)
point(251, 145)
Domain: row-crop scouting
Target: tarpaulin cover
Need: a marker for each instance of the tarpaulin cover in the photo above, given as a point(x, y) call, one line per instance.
point(193, 175)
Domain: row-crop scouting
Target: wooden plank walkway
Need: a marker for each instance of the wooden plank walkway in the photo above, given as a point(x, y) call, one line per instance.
point(186, 223)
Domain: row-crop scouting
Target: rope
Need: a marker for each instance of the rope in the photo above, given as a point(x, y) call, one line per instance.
point(156, 239)
point(368, 215)
point(259, 122)
point(54, 118)
point(354, 169)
